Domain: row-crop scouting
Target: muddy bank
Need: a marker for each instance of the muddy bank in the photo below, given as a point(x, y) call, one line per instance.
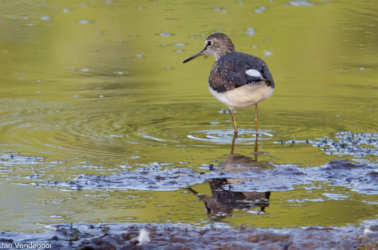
point(119, 236)
point(360, 178)
point(357, 145)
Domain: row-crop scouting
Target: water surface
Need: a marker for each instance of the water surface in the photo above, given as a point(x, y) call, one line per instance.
point(98, 87)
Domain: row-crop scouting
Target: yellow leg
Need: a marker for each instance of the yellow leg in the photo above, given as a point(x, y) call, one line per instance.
point(233, 120)
point(256, 148)
point(233, 143)
point(256, 122)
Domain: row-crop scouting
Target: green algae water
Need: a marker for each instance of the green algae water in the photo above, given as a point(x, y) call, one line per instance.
point(98, 87)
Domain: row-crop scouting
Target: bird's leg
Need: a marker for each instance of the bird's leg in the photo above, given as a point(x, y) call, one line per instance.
point(233, 120)
point(256, 122)
point(233, 143)
point(256, 148)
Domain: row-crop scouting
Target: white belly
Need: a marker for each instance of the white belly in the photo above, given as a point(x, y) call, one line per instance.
point(244, 96)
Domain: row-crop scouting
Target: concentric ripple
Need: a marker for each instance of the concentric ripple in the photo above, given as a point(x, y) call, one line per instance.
point(245, 136)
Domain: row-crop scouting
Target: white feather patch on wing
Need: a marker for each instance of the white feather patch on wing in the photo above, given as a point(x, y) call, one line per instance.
point(253, 72)
point(143, 237)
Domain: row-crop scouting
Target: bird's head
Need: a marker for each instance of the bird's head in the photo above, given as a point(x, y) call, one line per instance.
point(216, 44)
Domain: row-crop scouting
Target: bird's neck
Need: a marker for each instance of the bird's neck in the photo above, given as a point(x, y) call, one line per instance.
point(224, 52)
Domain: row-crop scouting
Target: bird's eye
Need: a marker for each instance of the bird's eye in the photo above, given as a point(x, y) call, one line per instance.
point(209, 43)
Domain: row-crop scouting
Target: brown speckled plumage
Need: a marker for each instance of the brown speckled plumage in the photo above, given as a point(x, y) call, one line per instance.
point(229, 72)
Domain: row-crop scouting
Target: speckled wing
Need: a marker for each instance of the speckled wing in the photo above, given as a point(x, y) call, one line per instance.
point(229, 72)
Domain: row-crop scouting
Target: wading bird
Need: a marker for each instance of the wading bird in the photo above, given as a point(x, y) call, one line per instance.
point(236, 79)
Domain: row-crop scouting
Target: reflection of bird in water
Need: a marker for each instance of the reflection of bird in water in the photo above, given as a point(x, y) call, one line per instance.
point(224, 199)
point(234, 160)
point(238, 80)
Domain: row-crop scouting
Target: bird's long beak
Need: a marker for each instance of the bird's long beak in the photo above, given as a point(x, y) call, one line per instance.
point(196, 55)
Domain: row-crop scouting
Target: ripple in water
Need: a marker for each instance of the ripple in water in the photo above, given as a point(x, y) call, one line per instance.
point(246, 136)
point(152, 138)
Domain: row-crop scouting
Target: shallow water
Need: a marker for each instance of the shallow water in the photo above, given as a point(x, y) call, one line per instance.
point(98, 87)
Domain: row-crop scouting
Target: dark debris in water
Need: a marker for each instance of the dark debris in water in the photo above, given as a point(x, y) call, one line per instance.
point(361, 178)
point(347, 144)
point(121, 236)
point(15, 159)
